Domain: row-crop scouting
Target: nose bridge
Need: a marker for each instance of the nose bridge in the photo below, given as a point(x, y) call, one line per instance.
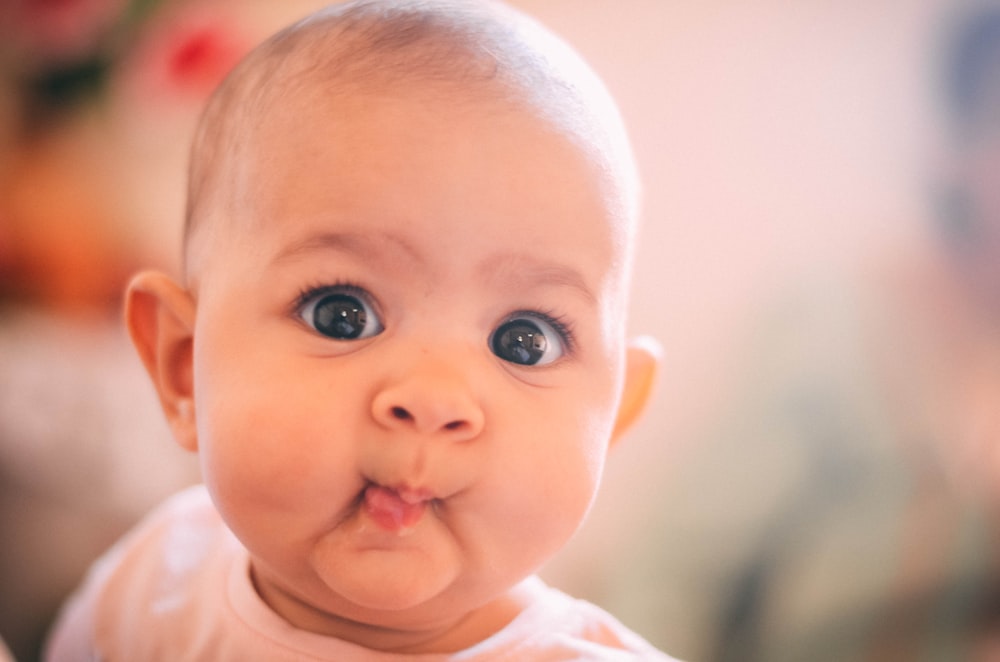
point(431, 392)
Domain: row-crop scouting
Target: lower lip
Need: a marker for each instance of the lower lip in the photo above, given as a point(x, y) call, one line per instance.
point(389, 510)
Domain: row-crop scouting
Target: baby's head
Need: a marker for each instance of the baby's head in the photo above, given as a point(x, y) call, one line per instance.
point(400, 350)
point(466, 58)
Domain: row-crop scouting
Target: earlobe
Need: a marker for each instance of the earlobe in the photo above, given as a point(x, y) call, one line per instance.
point(642, 362)
point(160, 317)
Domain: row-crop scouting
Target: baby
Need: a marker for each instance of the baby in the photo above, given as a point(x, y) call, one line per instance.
point(398, 350)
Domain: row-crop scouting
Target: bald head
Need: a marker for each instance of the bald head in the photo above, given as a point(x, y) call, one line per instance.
point(451, 52)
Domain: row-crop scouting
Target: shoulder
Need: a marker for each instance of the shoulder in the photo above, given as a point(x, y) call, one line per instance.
point(556, 626)
point(155, 579)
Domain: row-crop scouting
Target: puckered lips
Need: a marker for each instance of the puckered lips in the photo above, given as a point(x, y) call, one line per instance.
point(395, 509)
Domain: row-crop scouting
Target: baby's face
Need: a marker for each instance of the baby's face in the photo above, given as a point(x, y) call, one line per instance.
point(408, 356)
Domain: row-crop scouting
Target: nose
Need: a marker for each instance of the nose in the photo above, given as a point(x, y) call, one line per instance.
point(431, 403)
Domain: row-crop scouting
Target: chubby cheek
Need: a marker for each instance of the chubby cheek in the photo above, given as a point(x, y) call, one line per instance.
point(267, 449)
point(545, 481)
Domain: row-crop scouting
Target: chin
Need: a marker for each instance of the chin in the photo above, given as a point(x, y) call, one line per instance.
point(390, 592)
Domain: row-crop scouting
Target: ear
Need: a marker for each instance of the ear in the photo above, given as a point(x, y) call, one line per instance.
point(160, 317)
point(642, 363)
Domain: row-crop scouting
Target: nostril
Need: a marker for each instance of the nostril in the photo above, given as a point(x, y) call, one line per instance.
point(407, 411)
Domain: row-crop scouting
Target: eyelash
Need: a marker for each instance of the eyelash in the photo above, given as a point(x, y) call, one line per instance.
point(307, 294)
point(560, 323)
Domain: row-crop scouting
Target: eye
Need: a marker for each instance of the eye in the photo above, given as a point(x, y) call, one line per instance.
point(529, 339)
point(341, 313)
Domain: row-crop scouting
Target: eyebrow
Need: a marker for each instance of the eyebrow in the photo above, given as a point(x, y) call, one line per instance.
point(525, 268)
point(519, 269)
point(363, 244)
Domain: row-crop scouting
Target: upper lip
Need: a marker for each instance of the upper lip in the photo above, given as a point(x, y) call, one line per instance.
point(412, 495)
point(407, 492)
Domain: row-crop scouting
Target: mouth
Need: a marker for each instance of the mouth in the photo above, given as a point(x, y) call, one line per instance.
point(395, 509)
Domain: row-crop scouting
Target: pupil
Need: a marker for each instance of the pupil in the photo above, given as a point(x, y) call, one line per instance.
point(340, 316)
point(520, 342)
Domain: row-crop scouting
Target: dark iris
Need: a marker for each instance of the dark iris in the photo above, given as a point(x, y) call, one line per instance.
point(340, 316)
point(519, 341)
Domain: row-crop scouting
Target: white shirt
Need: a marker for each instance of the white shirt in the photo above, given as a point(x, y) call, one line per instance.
point(178, 588)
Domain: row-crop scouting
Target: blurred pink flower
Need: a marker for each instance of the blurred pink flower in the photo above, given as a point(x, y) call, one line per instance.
point(187, 55)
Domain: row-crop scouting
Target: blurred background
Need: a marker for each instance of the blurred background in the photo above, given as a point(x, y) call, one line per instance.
point(817, 475)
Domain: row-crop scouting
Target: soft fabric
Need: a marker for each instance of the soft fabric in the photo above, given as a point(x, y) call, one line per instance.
point(178, 588)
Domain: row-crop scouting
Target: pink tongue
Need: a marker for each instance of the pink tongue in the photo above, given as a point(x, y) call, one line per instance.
point(389, 510)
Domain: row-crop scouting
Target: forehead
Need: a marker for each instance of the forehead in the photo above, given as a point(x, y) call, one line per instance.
point(382, 160)
point(457, 163)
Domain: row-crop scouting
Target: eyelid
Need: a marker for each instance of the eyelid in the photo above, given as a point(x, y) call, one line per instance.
point(312, 293)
